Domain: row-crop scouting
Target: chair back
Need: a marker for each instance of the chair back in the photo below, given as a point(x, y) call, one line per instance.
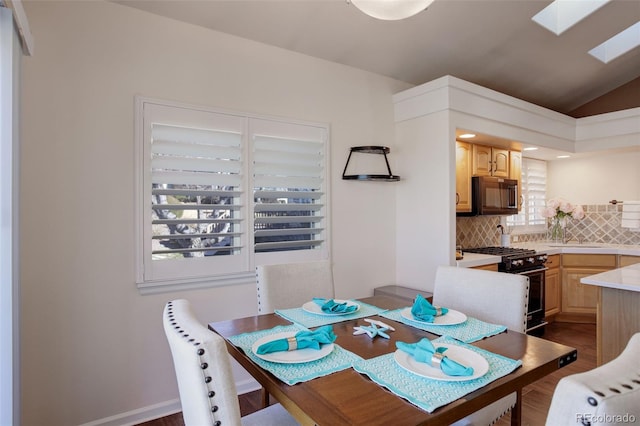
point(606, 395)
point(494, 297)
point(203, 370)
point(290, 285)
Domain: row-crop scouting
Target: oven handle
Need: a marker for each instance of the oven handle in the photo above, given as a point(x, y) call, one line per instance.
point(532, 271)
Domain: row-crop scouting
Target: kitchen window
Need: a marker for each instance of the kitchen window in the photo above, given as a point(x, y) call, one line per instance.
point(534, 194)
point(221, 192)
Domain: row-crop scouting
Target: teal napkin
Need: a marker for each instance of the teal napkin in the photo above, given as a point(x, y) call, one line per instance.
point(330, 306)
point(422, 310)
point(304, 339)
point(424, 350)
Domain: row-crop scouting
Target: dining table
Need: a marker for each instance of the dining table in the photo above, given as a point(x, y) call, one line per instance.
point(349, 397)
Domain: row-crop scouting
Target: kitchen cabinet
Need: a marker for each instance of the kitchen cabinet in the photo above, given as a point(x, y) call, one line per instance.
point(490, 267)
point(626, 260)
point(463, 177)
point(579, 300)
point(490, 161)
point(515, 172)
point(552, 289)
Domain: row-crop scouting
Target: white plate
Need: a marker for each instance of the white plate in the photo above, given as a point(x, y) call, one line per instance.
point(313, 308)
point(462, 355)
point(291, 357)
point(450, 318)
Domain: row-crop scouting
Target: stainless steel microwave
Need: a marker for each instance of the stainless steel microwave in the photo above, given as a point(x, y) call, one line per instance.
point(493, 196)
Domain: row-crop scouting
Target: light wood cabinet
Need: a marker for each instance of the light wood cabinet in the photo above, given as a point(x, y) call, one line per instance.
point(515, 172)
point(463, 177)
point(490, 267)
point(490, 161)
point(626, 260)
point(552, 289)
point(579, 300)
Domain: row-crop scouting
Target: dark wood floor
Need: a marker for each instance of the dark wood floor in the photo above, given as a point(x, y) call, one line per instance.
point(536, 398)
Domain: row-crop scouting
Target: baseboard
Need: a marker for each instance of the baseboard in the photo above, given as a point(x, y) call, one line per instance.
point(139, 415)
point(162, 409)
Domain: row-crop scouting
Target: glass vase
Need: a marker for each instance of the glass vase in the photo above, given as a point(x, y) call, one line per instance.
point(557, 230)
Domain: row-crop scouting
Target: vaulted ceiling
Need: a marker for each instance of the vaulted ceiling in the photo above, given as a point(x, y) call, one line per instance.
point(493, 43)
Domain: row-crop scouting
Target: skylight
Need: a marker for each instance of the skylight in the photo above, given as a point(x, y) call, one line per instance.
point(561, 15)
point(618, 44)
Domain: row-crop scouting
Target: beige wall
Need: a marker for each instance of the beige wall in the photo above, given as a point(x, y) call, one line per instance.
point(596, 178)
point(92, 347)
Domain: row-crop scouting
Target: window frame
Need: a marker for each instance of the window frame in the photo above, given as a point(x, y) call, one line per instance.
point(149, 283)
point(527, 228)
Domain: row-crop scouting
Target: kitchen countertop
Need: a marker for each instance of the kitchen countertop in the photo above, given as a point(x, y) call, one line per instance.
point(627, 278)
point(474, 259)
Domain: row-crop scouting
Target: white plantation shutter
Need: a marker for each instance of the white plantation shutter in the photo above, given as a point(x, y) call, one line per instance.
point(194, 210)
point(534, 192)
point(215, 189)
point(288, 187)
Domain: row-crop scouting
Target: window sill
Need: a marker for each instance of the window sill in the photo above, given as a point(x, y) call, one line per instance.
point(158, 287)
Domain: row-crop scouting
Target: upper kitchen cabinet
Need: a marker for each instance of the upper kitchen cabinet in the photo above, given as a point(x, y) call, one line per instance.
point(490, 161)
point(463, 177)
point(515, 172)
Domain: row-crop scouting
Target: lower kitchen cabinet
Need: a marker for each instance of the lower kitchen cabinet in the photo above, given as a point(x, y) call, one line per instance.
point(579, 300)
point(626, 260)
point(552, 289)
point(490, 267)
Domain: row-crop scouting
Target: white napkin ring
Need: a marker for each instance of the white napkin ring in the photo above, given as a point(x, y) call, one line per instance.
point(438, 311)
point(293, 343)
point(436, 359)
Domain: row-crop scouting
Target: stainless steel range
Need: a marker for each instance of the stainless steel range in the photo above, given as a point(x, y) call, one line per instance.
point(529, 263)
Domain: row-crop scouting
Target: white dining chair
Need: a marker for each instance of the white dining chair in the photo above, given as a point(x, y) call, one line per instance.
point(205, 380)
point(606, 395)
point(290, 285)
point(494, 297)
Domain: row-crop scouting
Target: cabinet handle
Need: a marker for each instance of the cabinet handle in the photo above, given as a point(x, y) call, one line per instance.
point(521, 200)
point(457, 198)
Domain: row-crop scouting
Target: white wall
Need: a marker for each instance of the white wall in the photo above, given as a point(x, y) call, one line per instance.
point(597, 178)
point(92, 347)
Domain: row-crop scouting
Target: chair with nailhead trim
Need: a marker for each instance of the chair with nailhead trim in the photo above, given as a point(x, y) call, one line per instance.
point(606, 395)
point(290, 285)
point(494, 297)
point(203, 371)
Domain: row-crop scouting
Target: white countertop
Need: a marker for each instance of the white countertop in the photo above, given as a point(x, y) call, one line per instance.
point(474, 259)
point(627, 278)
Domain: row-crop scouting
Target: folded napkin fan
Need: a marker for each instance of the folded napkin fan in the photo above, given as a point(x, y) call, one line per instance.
point(424, 351)
point(422, 310)
point(302, 340)
point(331, 306)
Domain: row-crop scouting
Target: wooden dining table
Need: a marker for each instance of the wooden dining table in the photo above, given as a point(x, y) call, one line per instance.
point(350, 398)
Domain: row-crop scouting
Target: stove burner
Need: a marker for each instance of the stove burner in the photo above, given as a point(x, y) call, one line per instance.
point(514, 260)
point(502, 251)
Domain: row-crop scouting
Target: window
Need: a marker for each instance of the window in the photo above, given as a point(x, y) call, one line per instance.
point(220, 192)
point(534, 193)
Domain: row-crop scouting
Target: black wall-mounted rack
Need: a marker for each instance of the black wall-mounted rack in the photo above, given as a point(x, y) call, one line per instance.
point(371, 150)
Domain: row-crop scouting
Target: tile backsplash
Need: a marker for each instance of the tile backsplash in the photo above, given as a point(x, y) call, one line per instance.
point(601, 224)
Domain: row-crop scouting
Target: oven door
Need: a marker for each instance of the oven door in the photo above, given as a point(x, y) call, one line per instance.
point(535, 310)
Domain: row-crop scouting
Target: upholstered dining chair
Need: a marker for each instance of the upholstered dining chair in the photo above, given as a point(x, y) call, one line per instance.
point(489, 296)
point(205, 380)
point(606, 395)
point(290, 285)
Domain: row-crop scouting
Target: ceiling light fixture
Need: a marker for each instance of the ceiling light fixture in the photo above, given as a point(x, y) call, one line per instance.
point(563, 156)
point(391, 10)
point(467, 136)
point(530, 148)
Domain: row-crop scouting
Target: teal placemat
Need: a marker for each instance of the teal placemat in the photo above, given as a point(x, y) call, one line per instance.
point(306, 319)
point(469, 331)
point(429, 394)
point(339, 359)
